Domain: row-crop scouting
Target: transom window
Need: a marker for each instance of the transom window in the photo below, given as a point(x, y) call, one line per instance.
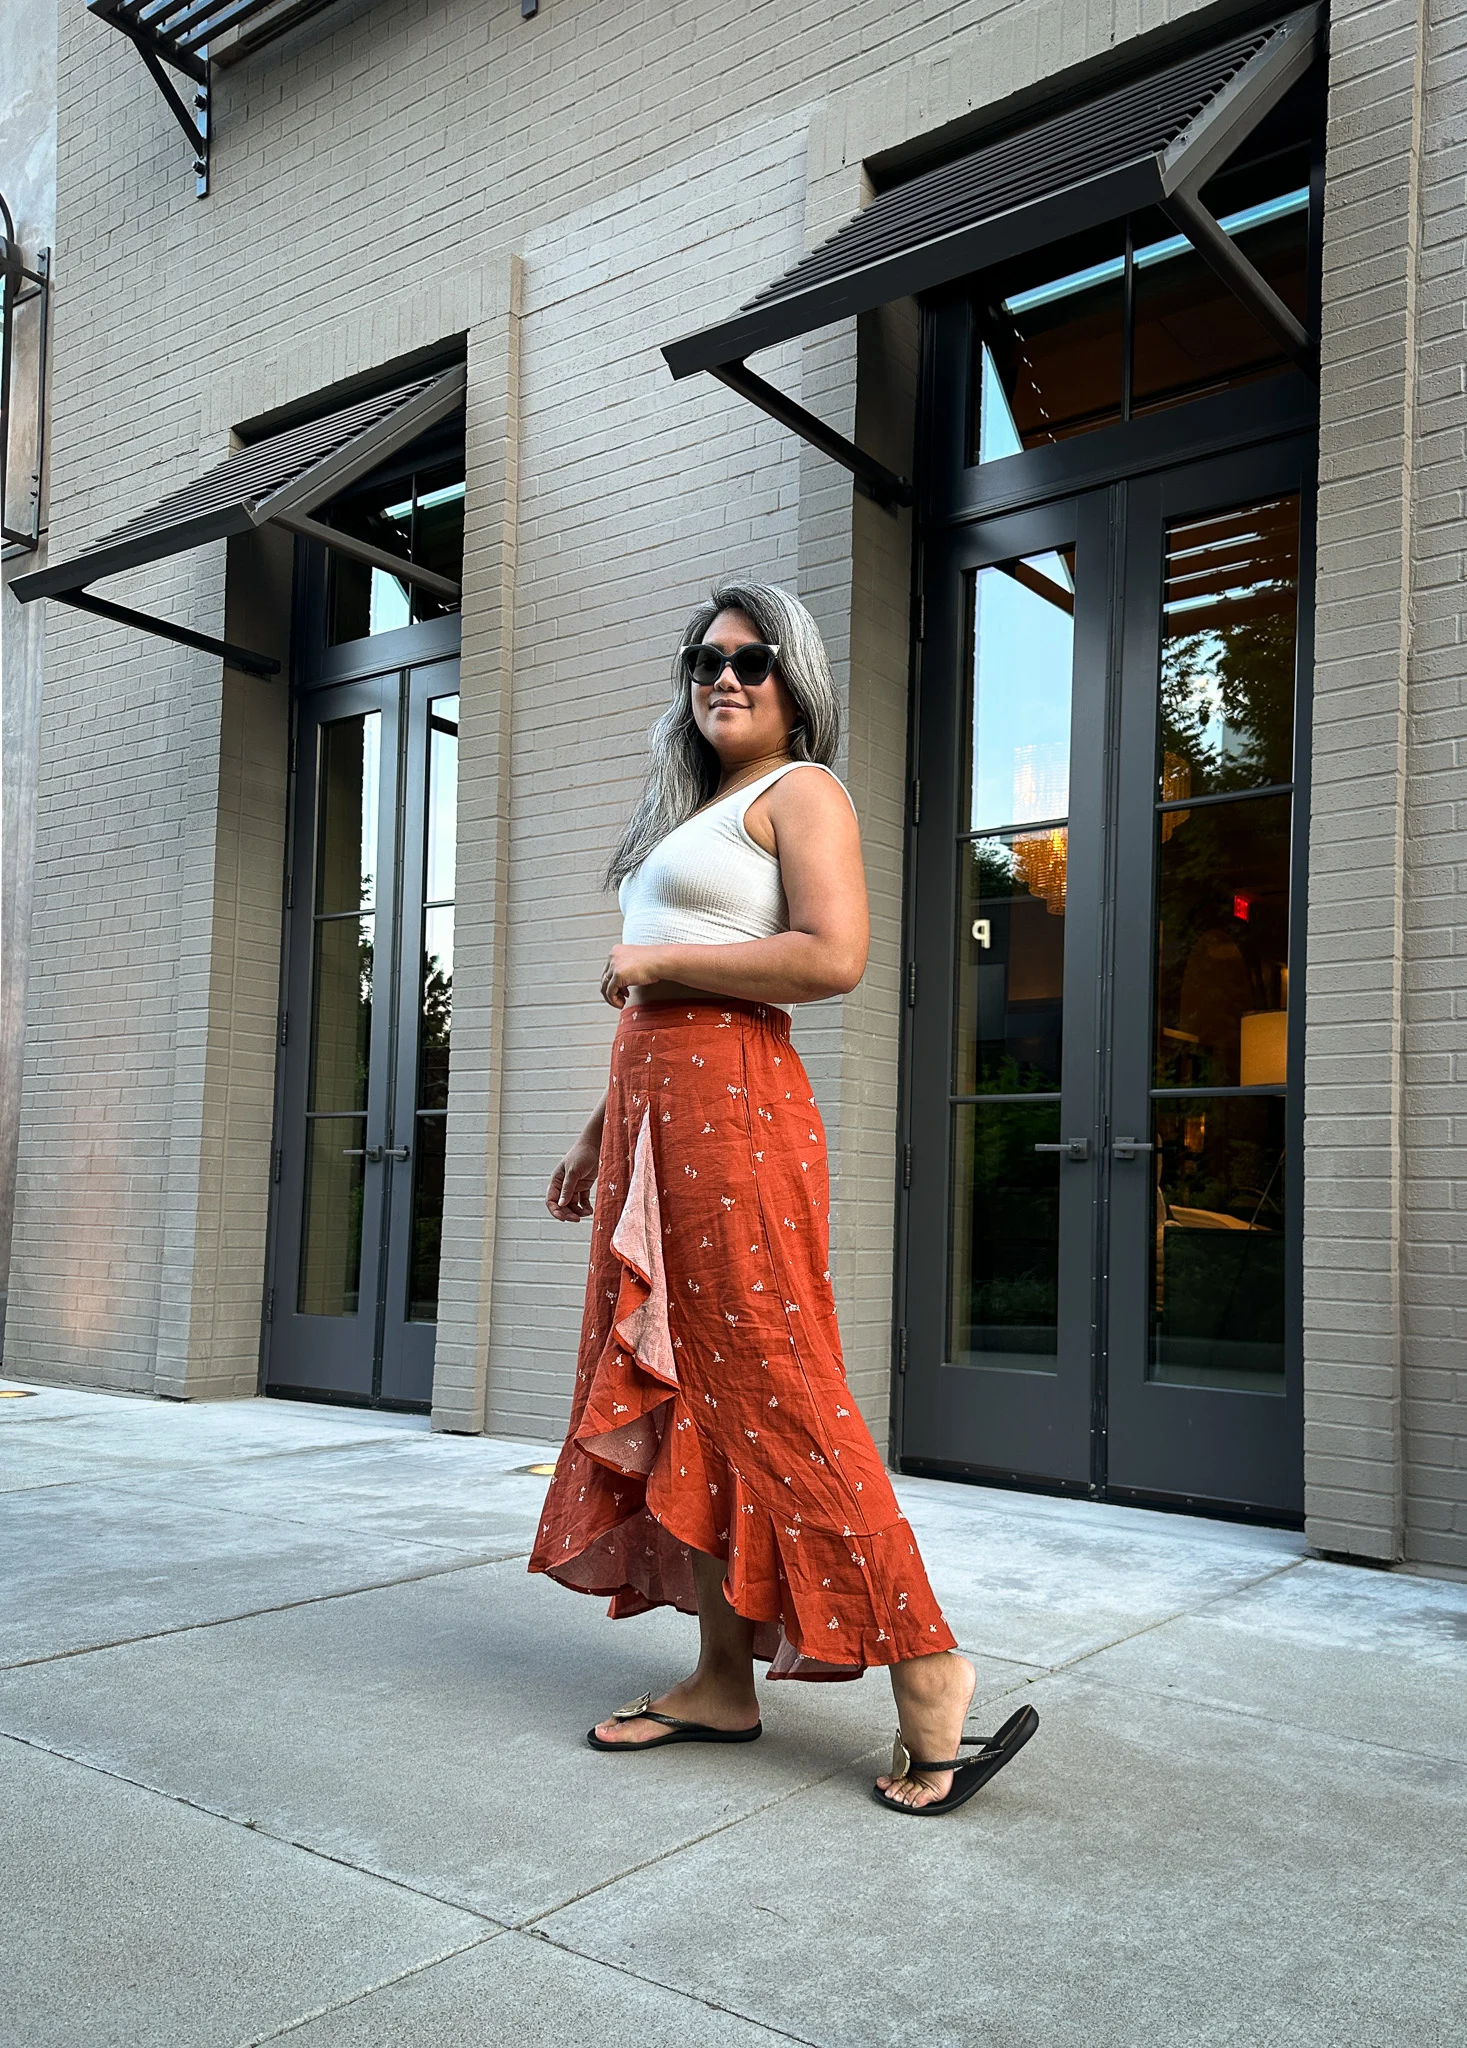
point(1128, 319)
point(414, 512)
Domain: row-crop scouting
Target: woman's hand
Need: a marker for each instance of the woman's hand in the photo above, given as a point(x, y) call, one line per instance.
point(568, 1197)
point(628, 967)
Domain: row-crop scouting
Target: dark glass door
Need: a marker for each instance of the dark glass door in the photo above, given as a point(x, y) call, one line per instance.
point(1204, 1387)
point(365, 1035)
point(1102, 1231)
point(1004, 1125)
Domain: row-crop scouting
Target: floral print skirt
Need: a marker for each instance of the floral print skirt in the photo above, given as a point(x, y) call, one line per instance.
point(711, 1410)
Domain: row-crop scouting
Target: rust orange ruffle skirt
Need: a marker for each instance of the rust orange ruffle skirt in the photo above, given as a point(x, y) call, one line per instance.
point(711, 1410)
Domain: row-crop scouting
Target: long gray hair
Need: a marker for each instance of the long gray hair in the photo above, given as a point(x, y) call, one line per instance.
point(684, 770)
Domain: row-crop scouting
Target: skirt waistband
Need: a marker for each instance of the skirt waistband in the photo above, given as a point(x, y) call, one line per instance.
point(702, 1016)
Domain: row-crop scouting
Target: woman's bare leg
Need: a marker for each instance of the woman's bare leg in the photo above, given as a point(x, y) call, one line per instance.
point(932, 1698)
point(720, 1692)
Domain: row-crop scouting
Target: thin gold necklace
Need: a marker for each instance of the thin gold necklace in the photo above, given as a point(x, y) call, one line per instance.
point(734, 787)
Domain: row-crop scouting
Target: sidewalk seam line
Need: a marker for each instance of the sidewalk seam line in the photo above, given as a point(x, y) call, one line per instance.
point(290, 1521)
point(1225, 1707)
point(1177, 1614)
point(321, 2012)
point(186, 1628)
point(530, 1924)
point(708, 2003)
point(252, 1827)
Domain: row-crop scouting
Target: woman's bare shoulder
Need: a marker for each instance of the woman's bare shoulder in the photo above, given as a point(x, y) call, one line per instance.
point(798, 802)
point(812, 794)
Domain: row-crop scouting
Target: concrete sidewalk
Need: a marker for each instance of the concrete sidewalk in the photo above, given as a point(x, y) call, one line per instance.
point(291, 1748)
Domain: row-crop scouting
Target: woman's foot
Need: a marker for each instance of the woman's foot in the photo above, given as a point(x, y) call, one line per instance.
point(933, 1695)
point(712, 1701)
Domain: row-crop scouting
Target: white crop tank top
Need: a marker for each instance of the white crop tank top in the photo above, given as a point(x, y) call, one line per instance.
point(708, 883)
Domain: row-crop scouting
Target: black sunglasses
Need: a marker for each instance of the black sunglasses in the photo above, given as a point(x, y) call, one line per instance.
point(751, 663)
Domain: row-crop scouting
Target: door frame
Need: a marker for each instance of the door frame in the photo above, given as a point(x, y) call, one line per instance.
point(317, 667)
point(1208, 1428)
point(1015, 1398)
point(953, 494)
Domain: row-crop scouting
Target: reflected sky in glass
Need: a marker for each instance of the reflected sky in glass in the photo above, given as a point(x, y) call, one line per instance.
point(1023, 661)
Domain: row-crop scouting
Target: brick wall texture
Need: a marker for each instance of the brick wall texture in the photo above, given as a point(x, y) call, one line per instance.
point(566, 193)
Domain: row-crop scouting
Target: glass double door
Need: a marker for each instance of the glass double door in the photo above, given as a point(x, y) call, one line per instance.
point(1103, 1245)
point(365, 1030)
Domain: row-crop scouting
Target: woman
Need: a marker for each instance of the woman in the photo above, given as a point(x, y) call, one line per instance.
point(716, 1461)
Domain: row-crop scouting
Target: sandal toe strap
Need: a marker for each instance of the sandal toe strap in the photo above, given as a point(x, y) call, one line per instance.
point(641, 1710)
point(958, 1763)
point(982, 1747)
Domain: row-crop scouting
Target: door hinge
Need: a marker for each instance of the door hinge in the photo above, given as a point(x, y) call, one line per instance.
point(275, 1169)
point(902, 1350)
point(922, 616)
point(270, 1306)
point(290, 892)
point(906, 1166)
point(284, 1025)
point(917, 801)
point(911, 986)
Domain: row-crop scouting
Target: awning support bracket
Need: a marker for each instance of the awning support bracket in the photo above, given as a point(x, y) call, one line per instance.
point(154, 51)
point(873, 479)
point(374, 558)
point(1226, 260)
point(237, 657)
point(1205, 146)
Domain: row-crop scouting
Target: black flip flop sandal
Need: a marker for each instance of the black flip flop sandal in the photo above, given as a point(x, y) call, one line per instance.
point(969, 1772)
point(679, 1731)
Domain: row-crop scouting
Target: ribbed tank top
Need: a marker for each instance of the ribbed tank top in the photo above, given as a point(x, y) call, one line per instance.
point(708, 883)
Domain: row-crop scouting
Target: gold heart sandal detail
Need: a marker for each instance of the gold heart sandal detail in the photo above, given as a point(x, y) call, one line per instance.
point(678, 1731)
point(969, 1772)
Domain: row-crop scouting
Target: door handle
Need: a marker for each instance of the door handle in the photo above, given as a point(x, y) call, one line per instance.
point(1127, 1148)
point(395, 1152)
point(371, 1153)
point(1076, 1150)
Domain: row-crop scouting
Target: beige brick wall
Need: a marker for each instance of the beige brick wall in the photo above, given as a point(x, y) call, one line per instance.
point(1434, 1275)
point(567, 193)
point(1386, 1421)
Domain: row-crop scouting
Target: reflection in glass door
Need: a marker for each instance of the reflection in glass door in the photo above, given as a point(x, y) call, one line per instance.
point(1002, 1161)
point(339, 1049)
point(366, 1030)
point(1103, 1237)
point(1204, 1390)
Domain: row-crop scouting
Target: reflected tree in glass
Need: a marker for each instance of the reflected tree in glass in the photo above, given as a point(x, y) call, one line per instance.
point(435, 1010)
point(1229, 651)
point(1005, 1249)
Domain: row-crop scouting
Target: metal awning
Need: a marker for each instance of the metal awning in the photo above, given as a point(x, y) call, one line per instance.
point(1154, 142)
point(283, 480)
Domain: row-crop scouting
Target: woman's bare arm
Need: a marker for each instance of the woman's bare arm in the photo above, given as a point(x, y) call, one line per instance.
point(568, 1197)
point(818, 844)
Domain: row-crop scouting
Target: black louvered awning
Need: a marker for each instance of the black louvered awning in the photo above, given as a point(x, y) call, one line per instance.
point(190, 37)
point(283, 479)
point(190, 33)
point(1151, 143)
